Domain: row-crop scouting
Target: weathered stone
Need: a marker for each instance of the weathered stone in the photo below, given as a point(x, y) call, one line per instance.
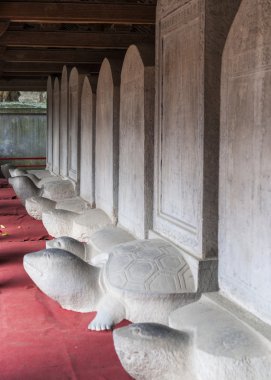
point(36, 205)
point(59, 189)
point(136, 141)
point(83, 226)
point(75, 89)
point(142, 282)
point(56, 111)
point(49, 155)
point(54, 190)
point(107, 138)
point(87, 169)
point(245, 165)
point(59, 223)
point(106, 153)
point(154, 351)
point(212, 344)
point(71, 245)
point(63, 132)
point(5, 169)
point(190, 38)
point(24, 188)
point(99, 242)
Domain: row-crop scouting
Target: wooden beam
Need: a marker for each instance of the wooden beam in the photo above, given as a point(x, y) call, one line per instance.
point(3, 26)
point(43, 68)
point(64, 56)
point(52, 12)
point(23, 84)
point(73, 39)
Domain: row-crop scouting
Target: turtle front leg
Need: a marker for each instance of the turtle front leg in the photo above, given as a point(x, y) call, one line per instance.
point(110, 312)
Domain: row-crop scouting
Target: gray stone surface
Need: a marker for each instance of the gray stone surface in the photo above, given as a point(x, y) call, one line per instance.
point(54, 190)
point(36, 205)
point(87, 148)
point(71, 245)
point(75, 90)
point(107, 138)
point(24, 188)
point(206, 342)
point(5, 170)
point(245, 165)
point(63, 132)
point(106, 154)
point(141, 282)
point(136, 141)
point(189, 42)
point(56, 120)
point(100, 242)
point(39, 173)
point(149, 351)
point(49, 154)
point(83, 226)
point(60, 223)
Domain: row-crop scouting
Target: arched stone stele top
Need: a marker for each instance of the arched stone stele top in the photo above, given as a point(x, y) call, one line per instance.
point(136, 141)
point(75, 89)
point(107, 138)
point(49, 160)
point(88, 104)
point(63, 132)
point(245, 160)
point(56, 109)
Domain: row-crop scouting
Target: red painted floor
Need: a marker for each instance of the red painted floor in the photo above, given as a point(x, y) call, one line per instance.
point(38, 339)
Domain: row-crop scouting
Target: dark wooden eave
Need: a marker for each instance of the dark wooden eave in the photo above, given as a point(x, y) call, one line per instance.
point(38, 37)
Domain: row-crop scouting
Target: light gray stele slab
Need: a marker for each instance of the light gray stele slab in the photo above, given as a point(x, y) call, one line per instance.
point(141, 281)
point(245, 165)
point(58, 222)
point(69, 187)
point(190, 37)
point(135, 155)
point(49, 152)
point(63, 132)
point(205, 342)
point(74, 125)
point(56, 120)
point(106, 154)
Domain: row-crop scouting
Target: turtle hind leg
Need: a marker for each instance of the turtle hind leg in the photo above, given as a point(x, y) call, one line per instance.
point(110, 312)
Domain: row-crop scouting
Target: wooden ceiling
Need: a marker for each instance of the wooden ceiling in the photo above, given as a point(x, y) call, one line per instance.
point(38, 37)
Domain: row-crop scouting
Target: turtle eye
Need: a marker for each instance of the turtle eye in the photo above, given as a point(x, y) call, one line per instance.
point(136, 330)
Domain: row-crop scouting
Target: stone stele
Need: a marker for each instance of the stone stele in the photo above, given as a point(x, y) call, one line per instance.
point(59, 221)
point(142, 281)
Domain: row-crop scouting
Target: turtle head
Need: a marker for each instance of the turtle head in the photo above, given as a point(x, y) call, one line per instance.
point(68, 244)
point(155, 349)
point(64, 277)
point(23, 187)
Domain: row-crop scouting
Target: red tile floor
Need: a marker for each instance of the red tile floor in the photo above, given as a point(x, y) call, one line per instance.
point(38, 339)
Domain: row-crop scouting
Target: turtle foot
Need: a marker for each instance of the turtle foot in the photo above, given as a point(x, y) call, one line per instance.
point(101, 323)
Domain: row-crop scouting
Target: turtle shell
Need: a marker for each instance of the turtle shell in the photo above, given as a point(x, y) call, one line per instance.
point(148, 266)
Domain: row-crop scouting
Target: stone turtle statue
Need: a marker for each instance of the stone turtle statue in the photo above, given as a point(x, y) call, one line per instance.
point(5, 168)
point(140, 281)
point(205, 341)
point(150, 351)
point(53, 190)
